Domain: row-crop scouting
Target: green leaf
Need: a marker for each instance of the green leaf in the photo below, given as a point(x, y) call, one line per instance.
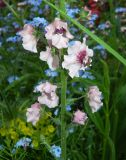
point(112, 148)
point(95, 118)
point(106, 80)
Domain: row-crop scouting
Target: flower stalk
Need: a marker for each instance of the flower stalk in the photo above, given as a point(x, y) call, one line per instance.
point(63, 110)
point(63, 102)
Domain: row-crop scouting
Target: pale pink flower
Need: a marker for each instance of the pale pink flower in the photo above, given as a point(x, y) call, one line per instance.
point(48, 97)
point(78, 58)
point(51, 100)
point(29, 40)
point(52, 61)
point(46, 87)
point(33, 113)
point(80, 117)
point(94, 98)
point(57, 32)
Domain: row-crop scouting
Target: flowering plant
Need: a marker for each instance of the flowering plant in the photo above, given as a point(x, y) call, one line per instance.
point(60, 91)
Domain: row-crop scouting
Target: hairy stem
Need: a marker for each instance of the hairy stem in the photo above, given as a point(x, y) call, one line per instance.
point(63, 110)
point(63, 100)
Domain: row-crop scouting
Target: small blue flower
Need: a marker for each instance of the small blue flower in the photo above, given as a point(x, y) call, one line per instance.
point(13, 151)
point(4, 29)
point(74, 30)
point(56, 112)
point(81, 72)
point(71, 43)
point(12, 78)
point(80, 89)
point(103, 26)
point(93, 17)
point(35, 2)
point(68, 92)
point(40, 11)
point(13, 39)
point(72, 12)
point(85, 74)
point(120, 10)
point(1, 147)
point(23, 142)
point(56, 151)
point(74, 84)
point(88, 75)
point(71, 130)
point(99, 47)
point(68, 108)
point(51, 73)
point(16, 25)
point(34, 9)
point(92, 23)
point(38, 21)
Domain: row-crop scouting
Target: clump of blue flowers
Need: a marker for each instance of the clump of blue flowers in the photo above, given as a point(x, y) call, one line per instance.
point(120, 10)
point(34, 2)
point(14, 39)
point(23, 142)
point(86, 74)
point(51, 73)
point(93, 19)
point(72, 12)
point(37, 21)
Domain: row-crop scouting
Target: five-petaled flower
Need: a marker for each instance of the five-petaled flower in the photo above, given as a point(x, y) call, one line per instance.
point(58, 34)
point(78, 58)
point(52, 61)
point(33, 113)
point(80, 117)
point(29, 40)
point(48, 97)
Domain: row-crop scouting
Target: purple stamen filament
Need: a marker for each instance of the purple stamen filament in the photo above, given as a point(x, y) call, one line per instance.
point(81, 56)
point(60, 31)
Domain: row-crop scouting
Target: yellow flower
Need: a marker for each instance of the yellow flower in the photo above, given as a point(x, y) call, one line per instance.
point(45, 131)
point(51, 128)
point(35, 143)
point(27, 131)
point(14, 135)
point(3, 132)
point(21, 125)
point(47, 115)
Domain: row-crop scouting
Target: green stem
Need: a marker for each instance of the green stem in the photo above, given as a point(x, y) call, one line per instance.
point(63, 100)
point(63, 110)
point(106, 137)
